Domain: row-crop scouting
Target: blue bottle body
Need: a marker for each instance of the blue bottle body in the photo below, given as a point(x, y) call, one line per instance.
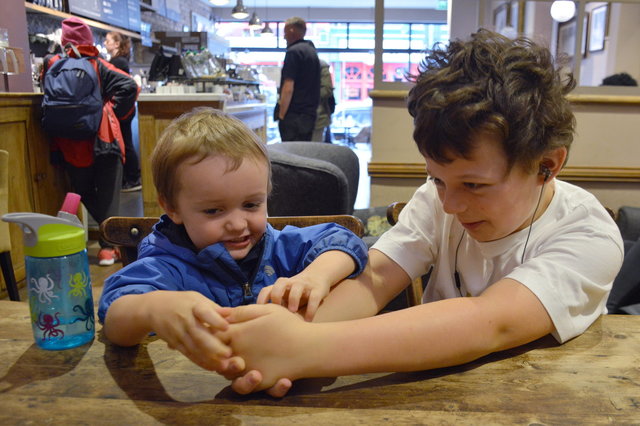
point(60, 300)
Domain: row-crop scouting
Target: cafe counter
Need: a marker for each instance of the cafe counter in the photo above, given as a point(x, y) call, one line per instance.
point(156, 111)
point(34, 184)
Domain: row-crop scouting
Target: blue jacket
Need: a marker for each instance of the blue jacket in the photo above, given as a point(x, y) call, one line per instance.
point(165, 265)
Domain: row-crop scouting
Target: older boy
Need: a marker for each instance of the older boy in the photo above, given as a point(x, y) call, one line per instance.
point(516, 254)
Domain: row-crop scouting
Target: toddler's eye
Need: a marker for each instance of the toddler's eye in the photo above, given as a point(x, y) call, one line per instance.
point(252, 206)
point(471, 185)
point(211, 211)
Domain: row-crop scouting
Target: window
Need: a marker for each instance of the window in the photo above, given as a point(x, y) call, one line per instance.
point(347, 47)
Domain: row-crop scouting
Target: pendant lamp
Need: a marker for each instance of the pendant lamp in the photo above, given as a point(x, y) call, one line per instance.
point(266, 31)
point(255, 22)
point(239, 11)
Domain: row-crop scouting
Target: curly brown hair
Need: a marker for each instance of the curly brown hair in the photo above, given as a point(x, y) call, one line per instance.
point(491, 84)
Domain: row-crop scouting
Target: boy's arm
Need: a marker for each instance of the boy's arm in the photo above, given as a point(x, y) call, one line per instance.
point(367, 294)
point(312, 284)
point(185, 320)
point(432, 335)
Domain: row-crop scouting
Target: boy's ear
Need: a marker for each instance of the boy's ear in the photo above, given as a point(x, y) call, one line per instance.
point(553, 161)
point(169, 210)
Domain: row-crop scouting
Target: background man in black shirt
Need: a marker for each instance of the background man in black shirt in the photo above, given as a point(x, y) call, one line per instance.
point(299, 84)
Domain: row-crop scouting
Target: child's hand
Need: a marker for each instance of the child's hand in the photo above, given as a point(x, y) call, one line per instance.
point(187, 321)
point(272, 364)
point(299, 290)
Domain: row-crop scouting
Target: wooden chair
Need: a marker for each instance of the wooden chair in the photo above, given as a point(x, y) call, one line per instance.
point(127, 232)
point(414, 291)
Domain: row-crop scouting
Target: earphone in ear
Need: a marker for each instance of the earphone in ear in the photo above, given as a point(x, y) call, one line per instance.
point(544, 170)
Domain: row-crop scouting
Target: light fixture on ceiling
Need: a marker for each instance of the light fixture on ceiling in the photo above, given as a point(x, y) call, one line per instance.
point(239, 11)
point(266, 31)
point(563, 10)
point(255, 23)
point(219, 2)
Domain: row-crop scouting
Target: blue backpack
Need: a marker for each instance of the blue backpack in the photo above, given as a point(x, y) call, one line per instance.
point(72, 103)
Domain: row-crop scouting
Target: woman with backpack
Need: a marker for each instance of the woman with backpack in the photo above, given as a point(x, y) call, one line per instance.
point(118, 46)
point(92, 154)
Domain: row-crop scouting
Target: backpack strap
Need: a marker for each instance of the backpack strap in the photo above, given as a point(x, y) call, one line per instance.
point(73, 48)
point(92, 59)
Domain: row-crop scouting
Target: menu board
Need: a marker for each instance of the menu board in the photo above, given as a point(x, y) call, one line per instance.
point(133, 11)
point(115, 12)
point(121, 13)
point(88, 8)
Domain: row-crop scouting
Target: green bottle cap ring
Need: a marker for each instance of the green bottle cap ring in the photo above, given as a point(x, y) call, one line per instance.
point(55, 240)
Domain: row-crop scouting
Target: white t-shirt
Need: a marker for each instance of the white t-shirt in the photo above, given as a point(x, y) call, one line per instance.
point(573, 254)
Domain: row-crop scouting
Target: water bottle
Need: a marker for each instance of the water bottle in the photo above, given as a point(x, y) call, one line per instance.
point(58, 281)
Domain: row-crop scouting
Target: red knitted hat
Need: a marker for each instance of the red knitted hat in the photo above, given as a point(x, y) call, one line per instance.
point(76, 32)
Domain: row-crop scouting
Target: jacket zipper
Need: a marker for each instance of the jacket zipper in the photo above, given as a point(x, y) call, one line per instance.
point(247, 289)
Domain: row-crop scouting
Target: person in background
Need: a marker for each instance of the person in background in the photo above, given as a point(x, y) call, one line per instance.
point(322, 130)
point(94, 166)
point(119, 46)
point(214, 247)
point(299, 84)
point(620, 79)
point(516, 253)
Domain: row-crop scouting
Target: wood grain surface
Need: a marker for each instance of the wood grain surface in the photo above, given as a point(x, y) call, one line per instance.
point(593, 379)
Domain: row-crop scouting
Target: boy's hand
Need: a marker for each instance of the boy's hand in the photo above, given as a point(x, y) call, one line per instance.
point(297, 291)
point(272, 364)
point(187, 321)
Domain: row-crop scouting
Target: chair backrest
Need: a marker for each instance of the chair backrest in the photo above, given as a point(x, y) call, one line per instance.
point(414, 291)
point(312, 178)
point(393, 212)
point(628, 221)
point(127, 232)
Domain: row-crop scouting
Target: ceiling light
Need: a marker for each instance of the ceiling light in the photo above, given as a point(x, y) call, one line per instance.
point(563, 10)
point(266, 31)
point(219, 2)
point(255, 22)
point(239, 11)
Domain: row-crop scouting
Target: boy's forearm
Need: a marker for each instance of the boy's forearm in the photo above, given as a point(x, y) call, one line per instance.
point(333, 266)
point(398, 341)
point(433, 335)
point(126, 322)
point(365, 295)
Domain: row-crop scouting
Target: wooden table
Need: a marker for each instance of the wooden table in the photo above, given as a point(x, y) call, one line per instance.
point(592, 379)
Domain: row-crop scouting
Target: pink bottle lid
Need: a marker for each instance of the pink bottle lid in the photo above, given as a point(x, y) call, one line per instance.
point(71, 203)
